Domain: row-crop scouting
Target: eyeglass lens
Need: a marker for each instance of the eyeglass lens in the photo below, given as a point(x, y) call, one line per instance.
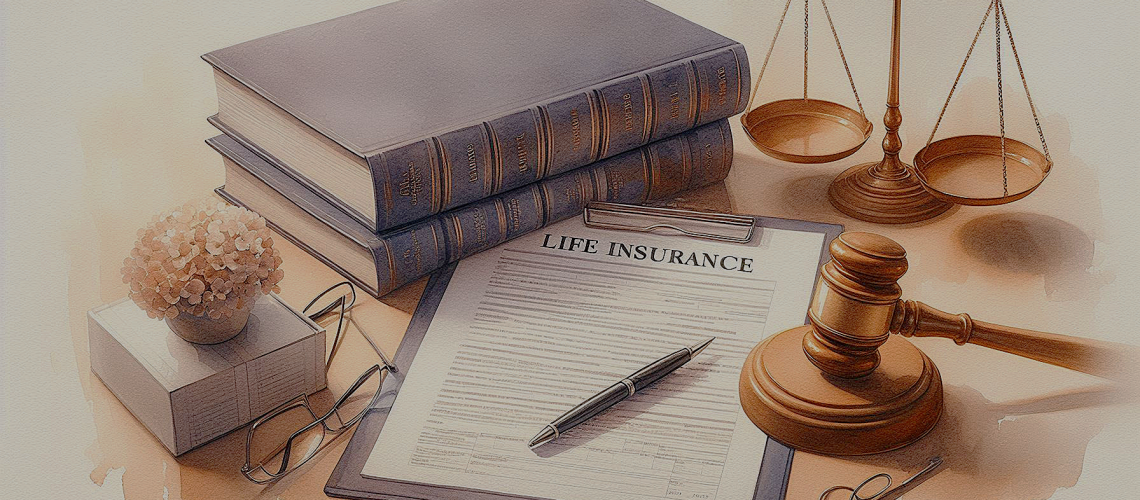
point(283, 441)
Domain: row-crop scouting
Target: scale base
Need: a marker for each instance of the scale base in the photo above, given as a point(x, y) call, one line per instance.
point(873, 193)
point(791, 400)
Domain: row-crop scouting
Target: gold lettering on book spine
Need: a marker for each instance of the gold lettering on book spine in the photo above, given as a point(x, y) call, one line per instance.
point(472, 163)
point(521, 153)
point(415, 254)
point(411, 183)
point(721, 86)
point(512, 215)
point(627, 111)
point(674, 105)
point(479, 224)
point(707, 158)
point(615, 184)
point(573, 194)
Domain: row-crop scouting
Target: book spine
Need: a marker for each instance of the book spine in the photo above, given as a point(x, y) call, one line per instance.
point(408, 253)
point(664, 168)
point(521, 147)
point(406, 183)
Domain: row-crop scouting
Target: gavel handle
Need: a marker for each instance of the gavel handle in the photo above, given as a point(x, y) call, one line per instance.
point(1095, 357)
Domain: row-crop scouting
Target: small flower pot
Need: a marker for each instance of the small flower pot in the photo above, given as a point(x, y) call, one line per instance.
point(205, 330)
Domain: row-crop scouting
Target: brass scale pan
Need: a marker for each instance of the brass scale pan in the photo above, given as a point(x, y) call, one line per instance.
point(961, 170)
point(806, 130)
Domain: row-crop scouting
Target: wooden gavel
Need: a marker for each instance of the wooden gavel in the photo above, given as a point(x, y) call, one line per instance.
point(845, 385)
point(856, 306)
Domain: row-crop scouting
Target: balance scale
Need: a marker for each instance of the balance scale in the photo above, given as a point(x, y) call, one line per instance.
point(961, 170)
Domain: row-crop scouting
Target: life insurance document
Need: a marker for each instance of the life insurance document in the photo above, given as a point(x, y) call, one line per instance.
point(529, 329)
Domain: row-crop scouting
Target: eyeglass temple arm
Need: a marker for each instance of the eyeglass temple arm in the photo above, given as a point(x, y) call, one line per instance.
point(337, 304)
point(326, 309)
point(332, 306)
point(355, 385)
point(379, 352)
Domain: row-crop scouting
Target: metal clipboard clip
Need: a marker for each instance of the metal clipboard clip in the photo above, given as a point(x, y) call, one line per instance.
point(712, 226)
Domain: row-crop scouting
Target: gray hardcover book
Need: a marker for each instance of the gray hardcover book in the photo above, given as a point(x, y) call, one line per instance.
point(382, 262)
point(420, 106)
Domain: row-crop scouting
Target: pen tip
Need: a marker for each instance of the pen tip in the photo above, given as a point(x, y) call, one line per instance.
point(700, 347)
point(544, 436)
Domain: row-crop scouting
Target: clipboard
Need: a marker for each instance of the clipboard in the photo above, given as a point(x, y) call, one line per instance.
point(346, 480)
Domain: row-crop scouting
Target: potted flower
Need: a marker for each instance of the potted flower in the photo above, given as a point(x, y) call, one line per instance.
point(201, 267)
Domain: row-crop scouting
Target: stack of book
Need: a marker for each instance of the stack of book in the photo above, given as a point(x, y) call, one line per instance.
point(393, 141)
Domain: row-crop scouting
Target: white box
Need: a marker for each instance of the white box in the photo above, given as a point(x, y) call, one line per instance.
point(188, 394)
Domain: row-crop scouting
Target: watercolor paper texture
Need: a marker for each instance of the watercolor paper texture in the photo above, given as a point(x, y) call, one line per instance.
point(102, 127)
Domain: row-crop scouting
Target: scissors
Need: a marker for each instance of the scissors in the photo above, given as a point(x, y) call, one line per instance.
point(886, 492)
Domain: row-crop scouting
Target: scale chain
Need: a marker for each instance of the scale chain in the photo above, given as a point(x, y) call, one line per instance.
point(843, 58)
point(1001, 101)
point(806, 3)
point(838, 45)
point(756, 87)
point(1024, 83)
point(981, 27)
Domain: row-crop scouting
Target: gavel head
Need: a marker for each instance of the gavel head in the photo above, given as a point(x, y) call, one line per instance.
point(855, 303)
point(845, 384)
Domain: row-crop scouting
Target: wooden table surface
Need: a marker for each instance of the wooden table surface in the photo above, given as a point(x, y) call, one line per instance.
point(104, 109)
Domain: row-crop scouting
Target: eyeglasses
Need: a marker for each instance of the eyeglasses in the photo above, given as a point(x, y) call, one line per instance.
point(307, 432)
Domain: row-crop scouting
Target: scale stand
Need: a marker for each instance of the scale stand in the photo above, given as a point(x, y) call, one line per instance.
point(886, 191)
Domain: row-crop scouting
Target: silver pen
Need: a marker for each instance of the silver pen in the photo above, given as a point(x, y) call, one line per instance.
point(624, 388)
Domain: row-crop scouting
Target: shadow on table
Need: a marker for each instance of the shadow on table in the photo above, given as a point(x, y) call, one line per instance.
point(806, 198)
point(1012, 449)
point(1034, 244)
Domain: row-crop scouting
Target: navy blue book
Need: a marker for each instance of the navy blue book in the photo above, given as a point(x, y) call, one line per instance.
point(417, 107)
point(382, 262)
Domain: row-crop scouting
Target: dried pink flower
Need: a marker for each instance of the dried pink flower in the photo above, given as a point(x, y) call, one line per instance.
point(206, 259)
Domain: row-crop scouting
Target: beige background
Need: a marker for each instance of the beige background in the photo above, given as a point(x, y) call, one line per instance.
point(103, 114)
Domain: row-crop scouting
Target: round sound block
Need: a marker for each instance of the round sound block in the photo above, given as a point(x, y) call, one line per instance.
point(794, 402)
